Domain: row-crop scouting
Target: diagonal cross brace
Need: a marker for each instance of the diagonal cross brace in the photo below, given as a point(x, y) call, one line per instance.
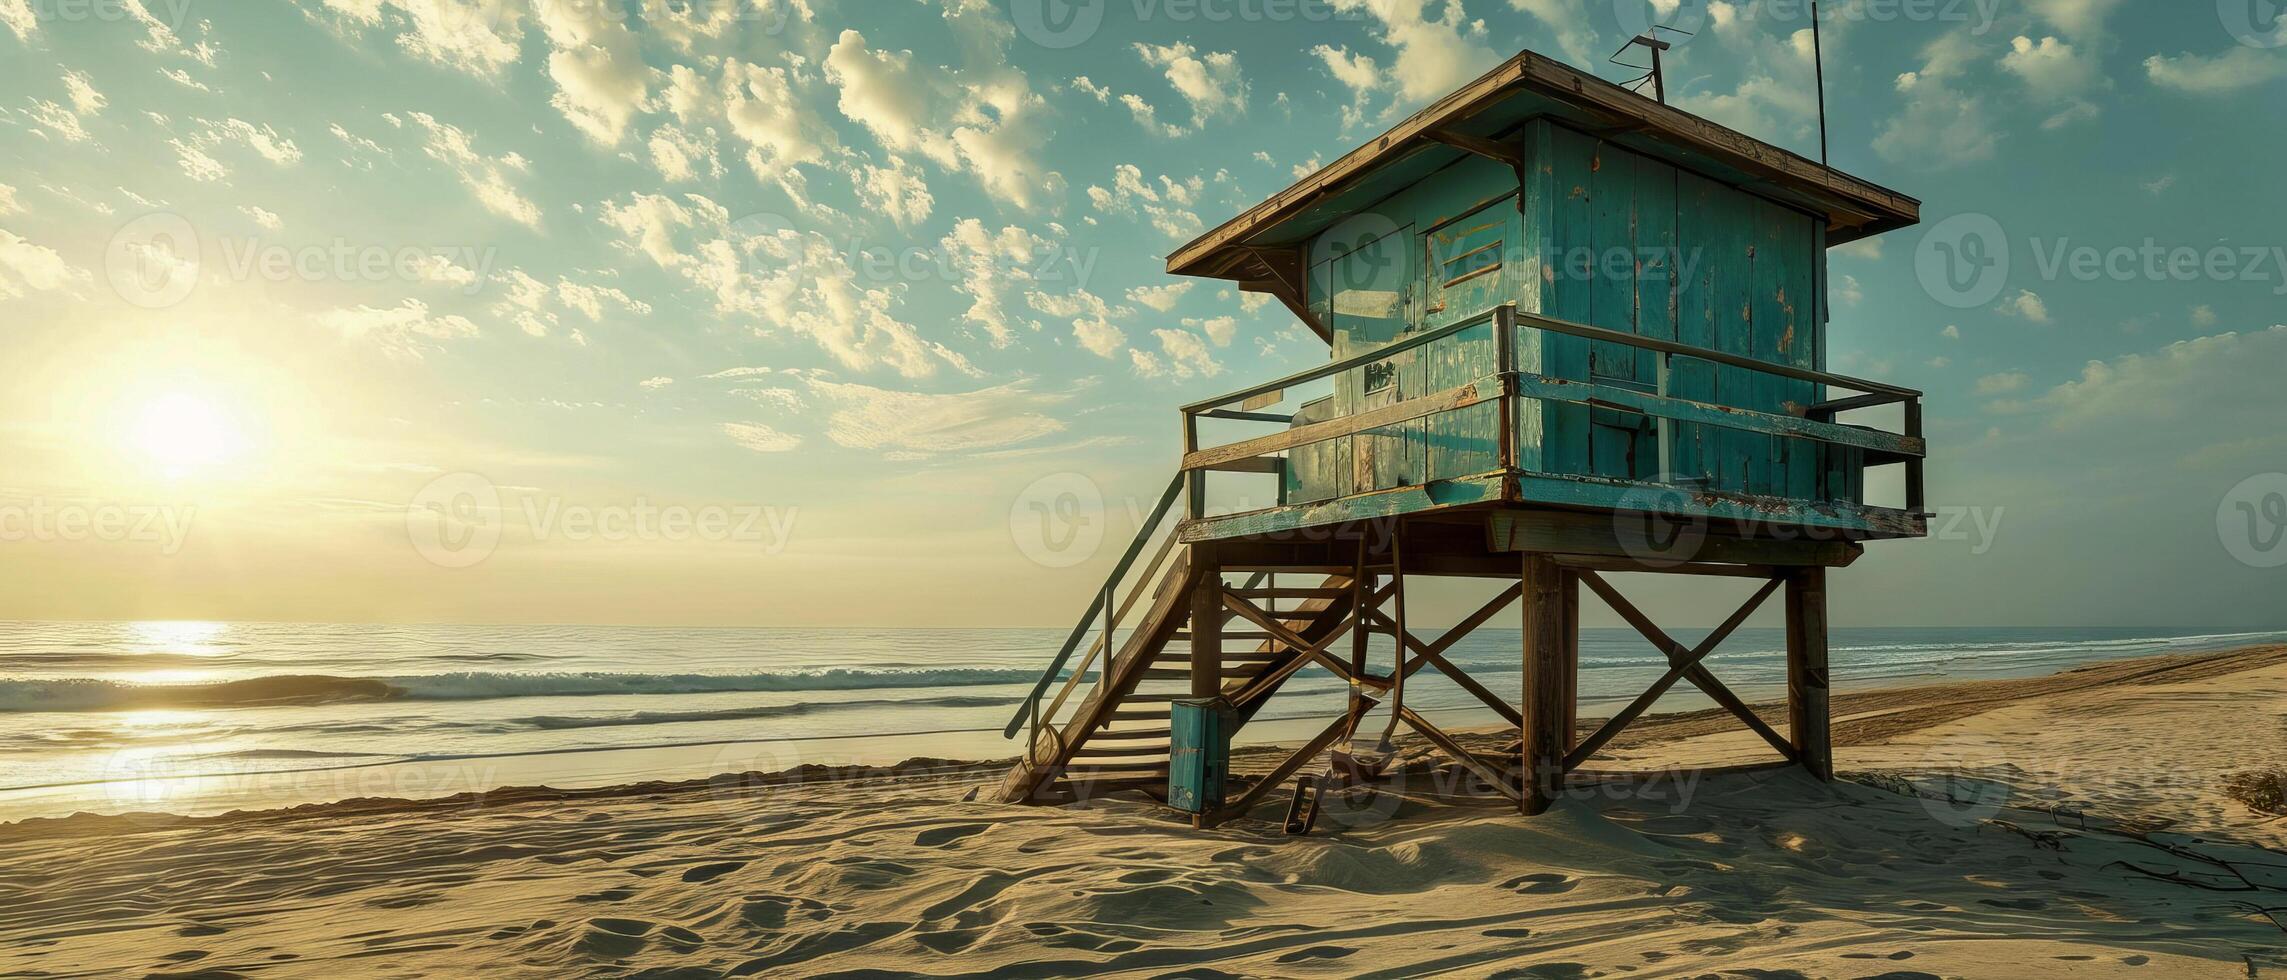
point(1682, 660)
point(1676, 669)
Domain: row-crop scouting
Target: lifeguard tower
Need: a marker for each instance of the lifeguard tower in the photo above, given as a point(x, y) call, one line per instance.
point(1574, 331)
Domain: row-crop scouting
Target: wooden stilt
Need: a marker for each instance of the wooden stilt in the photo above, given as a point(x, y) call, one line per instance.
point(1570, 584)
point(1808, 723)
point(1545, 666)
point(1206, 625)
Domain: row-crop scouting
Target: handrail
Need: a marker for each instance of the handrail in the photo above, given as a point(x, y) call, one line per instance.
point(1096, 606)
point(1352, 362)
point(1714, 356)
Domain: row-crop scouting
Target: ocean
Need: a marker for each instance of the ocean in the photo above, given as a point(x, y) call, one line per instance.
point(197, 716)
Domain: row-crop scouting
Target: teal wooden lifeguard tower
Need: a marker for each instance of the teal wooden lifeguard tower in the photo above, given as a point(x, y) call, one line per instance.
point(1573, 331)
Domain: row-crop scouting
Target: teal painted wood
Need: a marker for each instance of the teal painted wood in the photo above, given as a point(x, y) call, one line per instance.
point(1536, 275)
point(1613, 436)
point(1199, 754)
point(1469, 268)
point(1480, 489)
point(1691, 378)
point(1598, 493)
point(1730, 247)
point(1569, 158)
point(1790, 428)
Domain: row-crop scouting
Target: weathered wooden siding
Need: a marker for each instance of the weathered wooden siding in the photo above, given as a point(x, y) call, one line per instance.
point(1645, 248)
point(1605, 237)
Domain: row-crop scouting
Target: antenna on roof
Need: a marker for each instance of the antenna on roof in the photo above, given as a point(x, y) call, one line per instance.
point(1818, 59)
point(1654, 72)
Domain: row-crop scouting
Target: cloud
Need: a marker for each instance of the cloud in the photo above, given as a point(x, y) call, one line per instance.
point(407, 330)
point(1951, 332)
point(492, 178)
point(479, 37)
point(2203, 316)
point(983, 121)
point(536, 307)
point(1848, 291)
point(1091, 318)
point(2083, 19)
point(920, 423)
point(1212, 83)
point(17, 16)
point(782, 278)
point(2237, 69)
point(761, 438)
point(2055, 73)
point(681, 155)
point(8, 203)
point(26, 267)
point(85, 100)
point(1942, 124)
point(895, 191)
point(765, 112)
point(601, 80)
point(1161, 298)
point(2027, 305)
point(1219, 329)
point(989, 265)
point(1433, 56)
point(1166, 205)
point(654, 384)
point(1181, 355)
point(270, 221)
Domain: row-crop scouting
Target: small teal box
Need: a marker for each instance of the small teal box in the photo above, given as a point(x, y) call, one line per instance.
point(1199, 754)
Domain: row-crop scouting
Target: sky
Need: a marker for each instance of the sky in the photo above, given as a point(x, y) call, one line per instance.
point(792, 311)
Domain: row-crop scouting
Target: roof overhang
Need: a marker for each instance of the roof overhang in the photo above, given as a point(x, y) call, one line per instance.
point(1259, 248)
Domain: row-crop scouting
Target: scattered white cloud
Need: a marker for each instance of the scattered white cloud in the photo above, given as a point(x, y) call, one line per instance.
point(656, 383)
point(916, 423)
point(408, 330)
point(781, 278)
point(761, 438)
point(1951, 332)
point(2026, 305)
point(1168, 205)
point(18, 17)
point(2203, 316)
point(1161, 298)
point(985, 122)
point(1848, 291)
point(2237, 69)
point(683, 154)
point(27, 267)
point(1181, 355)
point(895, 191)
point(264, 217)
point(1220, 329)
point(1942, 123)
point(1212, 82)
point(1091, 318)
point(1869, 248)
point(493, 178)
point(1433, 56)
point(601, 80)
point(991, 264)
point(85, 100)
point(2160, 185)
point(480, 37)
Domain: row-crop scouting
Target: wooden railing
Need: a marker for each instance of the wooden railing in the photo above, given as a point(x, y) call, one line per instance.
point(1104, 612)
point(1511, 387)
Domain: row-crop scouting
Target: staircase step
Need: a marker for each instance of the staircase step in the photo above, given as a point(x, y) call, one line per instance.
point(1092, 750)
point(1184, 636)
point(1230, 671)
point(1135, 734)
point(1229, 656)
point(1138, 771)
point(1144, 715)
point(1286, 593)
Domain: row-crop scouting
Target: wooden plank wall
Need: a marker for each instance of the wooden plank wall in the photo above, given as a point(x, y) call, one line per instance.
point(1698, 262)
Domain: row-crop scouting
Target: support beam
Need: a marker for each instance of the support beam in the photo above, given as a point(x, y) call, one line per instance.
point(1644, 701)
point(1807, 719)
point(1206, 625)
point(1445, 743)
point(1302, 756)
point(1545, 665)
point(1569, 584)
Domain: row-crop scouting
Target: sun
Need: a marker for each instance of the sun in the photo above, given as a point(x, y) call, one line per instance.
point(181, 432)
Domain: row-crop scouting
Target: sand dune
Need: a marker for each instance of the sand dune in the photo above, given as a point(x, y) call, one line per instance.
point(1996, 836)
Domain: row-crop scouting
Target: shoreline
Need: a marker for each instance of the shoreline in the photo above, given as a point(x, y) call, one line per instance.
point(2071, 824)
point(1860, 718)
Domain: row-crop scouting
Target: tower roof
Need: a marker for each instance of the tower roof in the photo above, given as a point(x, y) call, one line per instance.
point(1254, 248)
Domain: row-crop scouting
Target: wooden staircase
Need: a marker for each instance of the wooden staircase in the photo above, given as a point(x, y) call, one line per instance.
point(1118, 736)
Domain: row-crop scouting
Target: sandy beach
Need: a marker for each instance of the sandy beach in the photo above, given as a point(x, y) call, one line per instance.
point(2074, 825)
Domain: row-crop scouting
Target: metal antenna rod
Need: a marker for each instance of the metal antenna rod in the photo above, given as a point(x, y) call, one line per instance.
point(1818, 59)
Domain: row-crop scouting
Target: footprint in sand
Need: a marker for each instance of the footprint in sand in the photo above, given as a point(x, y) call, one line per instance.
point(710, 872)
point(621, 938)
point(1541, 884)
point(941, 836)
point(197, 929)
point(773, 912)
point(1513, 933)
point(619, 894)
point(1318, 953)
